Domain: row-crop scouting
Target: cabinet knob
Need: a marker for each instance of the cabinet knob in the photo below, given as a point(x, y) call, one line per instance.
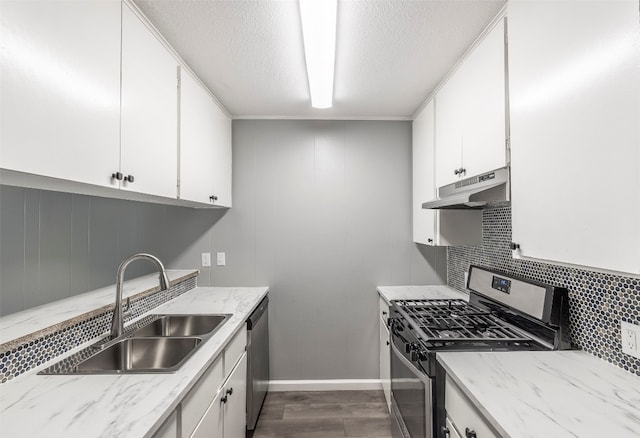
point(429, 240)
point(230, 391)
point(514, 246)
point(129, 178)
point(117, 176)
point(468, 433)
point(213, 198)
point(445, 432)
point(456, 172)
point(223, 399)
point(463, 171)
point(388, 343)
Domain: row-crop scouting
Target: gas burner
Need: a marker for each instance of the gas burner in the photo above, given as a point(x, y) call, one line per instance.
point(455, 320)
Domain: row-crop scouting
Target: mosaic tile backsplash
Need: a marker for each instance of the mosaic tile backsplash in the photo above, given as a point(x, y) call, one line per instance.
point(37, 351)
point(597, 301)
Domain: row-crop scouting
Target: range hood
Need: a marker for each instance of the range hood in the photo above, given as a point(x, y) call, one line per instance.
point(474, 192)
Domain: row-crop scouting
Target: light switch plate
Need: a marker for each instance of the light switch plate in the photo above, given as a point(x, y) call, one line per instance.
point(206, 259)
point(630, 338)
point(221, 259)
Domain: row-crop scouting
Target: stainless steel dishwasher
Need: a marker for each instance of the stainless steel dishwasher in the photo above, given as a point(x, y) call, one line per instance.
point(257, 361)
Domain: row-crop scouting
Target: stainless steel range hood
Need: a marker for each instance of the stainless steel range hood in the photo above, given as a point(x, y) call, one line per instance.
point(474, 192)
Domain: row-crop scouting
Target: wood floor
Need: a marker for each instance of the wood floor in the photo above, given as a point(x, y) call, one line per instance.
point(324, 415)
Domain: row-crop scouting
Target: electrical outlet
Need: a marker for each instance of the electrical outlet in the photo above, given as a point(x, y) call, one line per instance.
point(206, 259)
point(630, 336)
point(221, 259)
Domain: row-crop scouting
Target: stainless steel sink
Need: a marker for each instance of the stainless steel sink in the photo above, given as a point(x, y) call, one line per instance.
point(141, 355)
point(181, 325)
point(161, 345)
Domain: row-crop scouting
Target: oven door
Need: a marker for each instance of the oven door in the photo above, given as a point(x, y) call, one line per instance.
point(410, 396)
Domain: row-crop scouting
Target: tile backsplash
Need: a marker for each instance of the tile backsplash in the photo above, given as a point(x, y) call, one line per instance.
point(597, 301)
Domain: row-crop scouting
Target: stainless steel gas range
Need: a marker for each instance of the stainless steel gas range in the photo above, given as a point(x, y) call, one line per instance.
point(504, 313)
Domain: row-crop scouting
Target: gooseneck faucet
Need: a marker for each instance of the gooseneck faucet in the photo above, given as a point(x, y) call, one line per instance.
point(117, 323)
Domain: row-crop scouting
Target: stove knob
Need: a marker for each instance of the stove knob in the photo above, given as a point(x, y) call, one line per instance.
point(411, 346)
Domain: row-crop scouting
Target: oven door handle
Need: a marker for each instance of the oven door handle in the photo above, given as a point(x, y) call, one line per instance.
point(419, 375)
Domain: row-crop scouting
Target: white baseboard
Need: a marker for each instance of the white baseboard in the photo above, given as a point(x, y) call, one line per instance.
point(325, 385)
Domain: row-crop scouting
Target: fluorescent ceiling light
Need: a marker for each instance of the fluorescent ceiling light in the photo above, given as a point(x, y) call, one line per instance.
point(319, 34)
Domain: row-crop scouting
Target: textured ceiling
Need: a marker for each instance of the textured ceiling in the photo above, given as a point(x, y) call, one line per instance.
point(390, 54)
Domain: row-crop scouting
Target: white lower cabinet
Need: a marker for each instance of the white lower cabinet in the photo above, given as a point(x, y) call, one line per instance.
point(169, 428)
point(216, 406)
point(463, 419)
point(385, 352)
point(453, 433)
point(211, 424)
point(226, 415)
point(235, 408)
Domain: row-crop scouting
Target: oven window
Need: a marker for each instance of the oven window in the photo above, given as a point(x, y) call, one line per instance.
point(410, 396)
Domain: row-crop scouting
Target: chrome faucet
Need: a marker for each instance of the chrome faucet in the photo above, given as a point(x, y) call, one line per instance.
point(117, 323)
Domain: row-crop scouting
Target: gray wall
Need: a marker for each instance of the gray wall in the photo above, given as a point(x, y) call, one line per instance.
point(54, 245)
point(321, 214)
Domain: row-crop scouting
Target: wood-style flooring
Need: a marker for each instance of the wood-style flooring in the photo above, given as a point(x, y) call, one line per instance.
point(323, 414)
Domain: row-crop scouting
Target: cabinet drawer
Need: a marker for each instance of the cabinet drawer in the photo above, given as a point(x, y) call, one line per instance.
point(463, 414)
point(234, 350)
point(384, 309)
point(196, 403)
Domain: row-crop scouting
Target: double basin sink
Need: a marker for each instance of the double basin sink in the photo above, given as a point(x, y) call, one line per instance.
point(161, 346)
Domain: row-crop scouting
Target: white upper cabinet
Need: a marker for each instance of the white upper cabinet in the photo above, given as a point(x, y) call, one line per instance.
point(205, 146)
point(436, 227)
point(423, 175)
point(574, 72)
point(471, 113)
point(60, 87)
point(149, 111)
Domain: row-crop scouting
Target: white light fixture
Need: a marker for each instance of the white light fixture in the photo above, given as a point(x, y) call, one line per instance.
point(319, 33)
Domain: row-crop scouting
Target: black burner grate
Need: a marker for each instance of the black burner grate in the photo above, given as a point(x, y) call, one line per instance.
point(456, 320)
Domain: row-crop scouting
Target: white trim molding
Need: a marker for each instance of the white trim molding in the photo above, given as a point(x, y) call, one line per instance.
point(325, 385)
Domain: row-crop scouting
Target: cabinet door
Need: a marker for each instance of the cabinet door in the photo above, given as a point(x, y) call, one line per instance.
point(235, 409)
point(483, 128)
point(60, 87)
point(385, 362)
point(205, 146)
point(463, 414)
point(169, 428)
point(211, 424)
point(449, 117)
point(575, 132)
point(149, 110)
point(423, 175)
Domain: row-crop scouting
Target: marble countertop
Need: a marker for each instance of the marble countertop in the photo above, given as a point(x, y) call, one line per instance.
point(49, 316)
point(548, 393)
point(389, 293)
point(121, 405)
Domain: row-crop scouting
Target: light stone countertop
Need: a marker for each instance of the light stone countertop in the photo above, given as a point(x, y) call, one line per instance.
point(50, 315)
point(548, 394)
point(133, 405)
point(389, 293)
